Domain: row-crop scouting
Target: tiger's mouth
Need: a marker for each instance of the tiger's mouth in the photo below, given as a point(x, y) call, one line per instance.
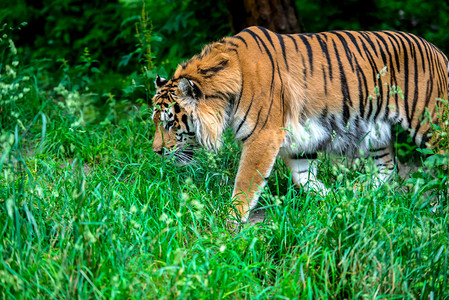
point(183, 156)
point(180, 155)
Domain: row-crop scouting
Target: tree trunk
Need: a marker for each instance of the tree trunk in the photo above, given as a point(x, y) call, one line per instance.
point(277, 15)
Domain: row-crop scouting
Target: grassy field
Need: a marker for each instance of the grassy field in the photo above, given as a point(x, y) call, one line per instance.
point(88, 211)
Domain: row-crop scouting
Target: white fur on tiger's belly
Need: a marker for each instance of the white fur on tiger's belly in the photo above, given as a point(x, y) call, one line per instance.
point(332, 137)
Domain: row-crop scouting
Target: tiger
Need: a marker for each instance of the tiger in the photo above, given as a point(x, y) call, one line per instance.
point(295, 95)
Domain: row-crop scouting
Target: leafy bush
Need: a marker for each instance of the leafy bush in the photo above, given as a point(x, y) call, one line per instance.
point(428, 19)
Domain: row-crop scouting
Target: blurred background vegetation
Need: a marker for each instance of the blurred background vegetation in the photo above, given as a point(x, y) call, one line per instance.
point(59, 33)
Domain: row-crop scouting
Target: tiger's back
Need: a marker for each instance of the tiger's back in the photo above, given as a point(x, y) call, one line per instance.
point(342, 83)
point(294, 95)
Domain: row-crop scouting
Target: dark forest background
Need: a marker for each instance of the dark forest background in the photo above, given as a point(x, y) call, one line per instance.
point(65, 33)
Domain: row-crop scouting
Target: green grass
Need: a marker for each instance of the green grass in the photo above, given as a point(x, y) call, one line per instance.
point(88, 211)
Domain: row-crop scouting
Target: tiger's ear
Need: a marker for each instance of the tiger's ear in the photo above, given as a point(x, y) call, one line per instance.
point(189, 88)
point(160, 82)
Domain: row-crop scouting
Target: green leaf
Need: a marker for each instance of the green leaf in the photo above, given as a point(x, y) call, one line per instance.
point(436, 160)
point(425, 151)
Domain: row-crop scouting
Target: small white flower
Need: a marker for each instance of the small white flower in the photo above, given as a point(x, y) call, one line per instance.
point(10, 207)
point(12, 47)
point(163, 217)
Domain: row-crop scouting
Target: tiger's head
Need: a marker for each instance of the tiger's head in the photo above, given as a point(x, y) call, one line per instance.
point(174, 104)
point(194, 107)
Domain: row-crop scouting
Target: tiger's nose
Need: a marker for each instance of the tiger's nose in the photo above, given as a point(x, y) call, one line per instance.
point(158, 151)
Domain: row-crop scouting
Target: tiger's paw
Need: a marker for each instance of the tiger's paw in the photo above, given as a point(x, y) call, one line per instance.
point(317, 187)
point(235, 225)
point(235, 221)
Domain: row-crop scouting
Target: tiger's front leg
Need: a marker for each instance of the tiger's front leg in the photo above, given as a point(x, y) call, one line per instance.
point(258, 157)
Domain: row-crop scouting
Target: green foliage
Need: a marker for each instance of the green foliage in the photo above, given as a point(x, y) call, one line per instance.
point(63, 29)
point(185, 27)
point(428, 19)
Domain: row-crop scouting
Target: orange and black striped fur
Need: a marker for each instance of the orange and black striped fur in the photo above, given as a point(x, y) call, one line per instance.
point(295, 94)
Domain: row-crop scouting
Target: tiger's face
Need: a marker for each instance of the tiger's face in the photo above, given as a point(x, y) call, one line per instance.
point(175, 132)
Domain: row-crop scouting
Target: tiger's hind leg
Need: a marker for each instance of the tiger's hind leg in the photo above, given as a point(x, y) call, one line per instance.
point(384, 160)
point(304, 171)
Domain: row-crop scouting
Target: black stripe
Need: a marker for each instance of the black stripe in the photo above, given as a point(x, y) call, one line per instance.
point(406, 75)
point(304, 72)
point(282, 96)
point(271, 95)
point(246, 114)
point(304, 156)
point(395, 49)
point(309, 51)
point(346, 48)
point(267, 35)
point(387, 105)
point(184, 120)
point(374, 73)
point(254, 128)
point(441, 73)
point(415, 84)
point(220, 66)
point(236, 52)
point(325, 80)
point(425, 139)
point(390, 69)
point(281, 42)
point(381, 49)
point(418, 44)
point(242, 39)
point(344, 88)
point(294, 41)
point(272, 78)
point(379, 95)
point(240, 96)
point(380, 84)
point(429, 54)
point(384, 164)
point(232, 44)
point(333, 123)
point(325, 51)
point(429, 90)
point(254, 36)
point(219, 95)
point(411, 45)
point(362, 96)
point(323, 115)
point(378, 149)
point(369, 41)
point(354, 41)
